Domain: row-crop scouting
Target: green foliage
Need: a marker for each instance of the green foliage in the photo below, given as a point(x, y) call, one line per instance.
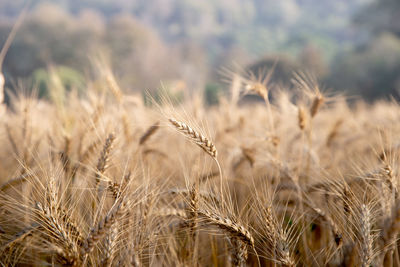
point(212, 93)
point(170, 92)
point(69, 78)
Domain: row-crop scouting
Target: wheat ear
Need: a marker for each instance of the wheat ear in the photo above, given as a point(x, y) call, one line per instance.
point(149, 132)
point(240, 238)
point(21, 236)
point(316, 104)
point(301, 118)
point(390, 232)
point(200, 140)
point(196, 137)
point(366, 237)
point(102, 228)
point(228, 225)
point(109, 249)
point(104, 158)
point(59, 231)
point(192, 211)
point(277, 238)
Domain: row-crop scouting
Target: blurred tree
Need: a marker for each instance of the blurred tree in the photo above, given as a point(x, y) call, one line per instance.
point(311, 60)
point(50, 35)
point(137, 54)
point(372, 71)
point(259, 25)
point(283, 68)
point(380, 16)
point(54, 38)
point(192, 66)
point(175, 39)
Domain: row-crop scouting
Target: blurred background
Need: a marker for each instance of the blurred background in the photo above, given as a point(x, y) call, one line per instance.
point(351, 46)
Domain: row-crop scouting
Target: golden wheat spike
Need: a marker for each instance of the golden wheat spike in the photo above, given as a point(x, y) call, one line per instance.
point(366, 236)
point(196, 137)
point(230, 226)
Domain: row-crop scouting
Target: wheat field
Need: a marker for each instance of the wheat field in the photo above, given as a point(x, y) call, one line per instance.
point(101, 179)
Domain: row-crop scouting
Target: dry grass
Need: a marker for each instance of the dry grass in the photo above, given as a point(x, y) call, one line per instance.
point(103, 180)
